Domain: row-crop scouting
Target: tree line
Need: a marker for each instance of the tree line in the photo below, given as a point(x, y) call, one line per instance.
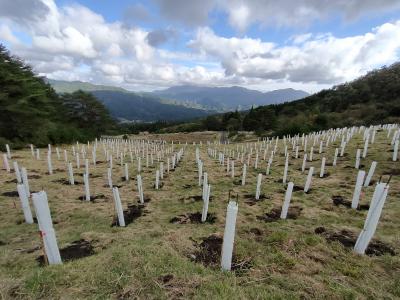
point(32, 112)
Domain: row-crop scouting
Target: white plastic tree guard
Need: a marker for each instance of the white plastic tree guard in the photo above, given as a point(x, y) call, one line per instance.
point(161, 170)
point(358, 154)
point(268, 166)
point(200, 171)
point(71, 174)
point(87, 166)
point(118, 207)
point(371, 222)
point(87, 187)
point(308, 181)
point(126, 171)
point(109, 178)
point(370, 173)
point(78, 161)
point(58, 153)
point(357, 189)
point(258, 187)
point(335, 156)
point(288, 196)
point(205, 185)
point(395, 150)
point(244, 174)
point(17, 172)
point(8, 151)
point(24, 175)
point(232, 168)
point(229, 236)
point(6, 164)
point(303, 166)
point(66, 156)
point(365, 151)
point(157, 184)
point(49, 164)
point(37, 154)
point(47, 232)
point(322, 171)
point(25, 203)
point(140, 188)
point(205, 205)
point(285, 170)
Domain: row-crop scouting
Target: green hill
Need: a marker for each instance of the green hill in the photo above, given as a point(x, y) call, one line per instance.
point(370, 99)
point(129, 106)
point(32, 112)
point(62, 86)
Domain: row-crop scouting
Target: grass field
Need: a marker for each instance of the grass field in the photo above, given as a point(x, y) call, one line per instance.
point(153, 258)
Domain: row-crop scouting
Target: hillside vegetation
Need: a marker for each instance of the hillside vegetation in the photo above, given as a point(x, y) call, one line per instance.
point(371, 99)
point(32, 112)
point(143, 108)
point(224, 99)
point(128, 106)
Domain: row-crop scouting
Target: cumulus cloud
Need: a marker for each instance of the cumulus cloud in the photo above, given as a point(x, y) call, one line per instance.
point(242, 14)
point(73, 42)
point(321, 59)
point(23, 11)
point(136, 13)
point(160, 36)
point(190, 13)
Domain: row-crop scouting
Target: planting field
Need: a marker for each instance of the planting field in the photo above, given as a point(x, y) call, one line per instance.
point(165, 251)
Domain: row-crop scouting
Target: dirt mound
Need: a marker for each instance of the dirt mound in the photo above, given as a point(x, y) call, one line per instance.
point(194, 198)
point(392, 172)
point(339, 200)
point(275, 214)
point(10, 194)
point(130, 214)
point(193, 218)
point(76, 250)
point(251, 198)
point(297, 188)
point(94, 198)
point(66, 182)
point(208, 253)
point(348, 240)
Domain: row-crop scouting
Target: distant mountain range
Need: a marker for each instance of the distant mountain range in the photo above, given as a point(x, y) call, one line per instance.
point(227, 98)
point(176, 103)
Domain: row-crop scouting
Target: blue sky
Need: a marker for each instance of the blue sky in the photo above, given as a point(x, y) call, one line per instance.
point(258, 44)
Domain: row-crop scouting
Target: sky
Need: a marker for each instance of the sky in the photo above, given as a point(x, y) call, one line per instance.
point(258, 44)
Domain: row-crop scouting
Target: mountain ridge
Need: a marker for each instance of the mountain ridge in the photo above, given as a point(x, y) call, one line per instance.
point(228, 98)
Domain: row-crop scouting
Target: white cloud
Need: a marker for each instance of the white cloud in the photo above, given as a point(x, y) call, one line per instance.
point(322, 59)
point(7, 35)
point(73, 42)
point(284, 13)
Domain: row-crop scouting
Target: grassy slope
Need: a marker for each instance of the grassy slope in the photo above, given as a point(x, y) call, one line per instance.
point(289, 259)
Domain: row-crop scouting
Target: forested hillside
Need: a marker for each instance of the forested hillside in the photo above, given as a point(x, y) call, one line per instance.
point(32, 112)
point(222, 99)
point(135, 107)
point(371, 99)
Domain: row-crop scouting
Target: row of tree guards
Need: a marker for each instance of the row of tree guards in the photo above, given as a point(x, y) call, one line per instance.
point(228, 156)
